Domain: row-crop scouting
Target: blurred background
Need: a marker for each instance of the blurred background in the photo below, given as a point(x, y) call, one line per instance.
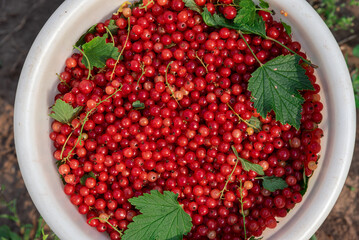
point(20, 22)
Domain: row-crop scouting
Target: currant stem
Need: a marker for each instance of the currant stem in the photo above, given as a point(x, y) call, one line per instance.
point(242, 210)
point(250, 49)
point(87, 60)
point(145, 7)
point(204, 65)
point(123, 48)
point(63, 147)
point(168, 85)
point(240, 118)
point(228, 179)
point(142, 73)
point(62, 80)
point(109, 32)
point(290, 50)
point(106, 221)
point(86, 119)
point(123, 5)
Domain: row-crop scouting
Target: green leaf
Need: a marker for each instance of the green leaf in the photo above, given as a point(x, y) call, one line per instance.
point(162, 218)
point(257, 27)
point(64, 112)
point(275, 86)
point(254, 238)
point(138, 105)
point(62, 179)
point(40, 223)
point(44, 236)
point(304, 184)
point(208, 18)
point(81, 40)
point(247, 165)
point(263, 4)
point(27, 231)
point(112, 27)
point(6, 233)
point(356, 51)
point(223, 22)
point(86, 176)
point(355, 81)
point(273, 183)
point(256, 123)
point(287, 28)
point(191, 4)
point(12, 206)
point(98, 51)
point(8, 217)
point(246, 14)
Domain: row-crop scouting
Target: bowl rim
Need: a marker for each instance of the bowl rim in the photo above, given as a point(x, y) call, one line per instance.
point(24, 115)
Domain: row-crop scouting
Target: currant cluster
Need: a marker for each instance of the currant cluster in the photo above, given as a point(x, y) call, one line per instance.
point(192, 80)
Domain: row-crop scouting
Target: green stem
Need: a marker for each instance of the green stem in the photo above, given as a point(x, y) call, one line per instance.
point(264, 10)
point(250, 49)
point(63, 147)
point(168, 85)
point(106, 220)
point(228, 179)
point(242, 210)
point(204, 65)
point(87, 60)
point(241, 119)
point(62, 80)
point(142, 73)
point(290, 50)
point(86, 119)
point(123, 48)
point(109, 32)
point(145, 7)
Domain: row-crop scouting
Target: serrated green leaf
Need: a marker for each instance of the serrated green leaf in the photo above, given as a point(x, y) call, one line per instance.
point(247, 165)
point(263, 4)
point(138, 105)
point(81, 40)
point(275, 86)
point(191, 4)
point(98, 51)
point(258, 27)
point(356, 51)
point(208, 18)
point(86, 176)
point(64, 112)
point(273, 183)
point(287, 28)
point(112, 26)
point(162, 218)
point(223, 22)
point(246, 14)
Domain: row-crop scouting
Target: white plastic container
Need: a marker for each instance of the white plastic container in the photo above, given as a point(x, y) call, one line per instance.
point(37, 88)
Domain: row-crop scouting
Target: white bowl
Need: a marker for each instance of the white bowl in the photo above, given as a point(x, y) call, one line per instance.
point(37, 88)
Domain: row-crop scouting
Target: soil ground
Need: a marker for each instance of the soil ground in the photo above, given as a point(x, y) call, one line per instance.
point(20, 22)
